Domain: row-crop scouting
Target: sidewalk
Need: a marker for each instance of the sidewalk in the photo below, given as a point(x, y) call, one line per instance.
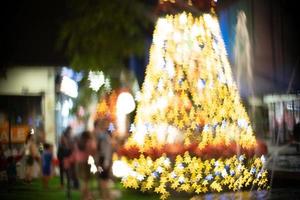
point(283, 164)
point(283, 158)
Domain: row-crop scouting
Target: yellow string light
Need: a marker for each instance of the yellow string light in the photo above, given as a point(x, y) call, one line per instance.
point(189, 96)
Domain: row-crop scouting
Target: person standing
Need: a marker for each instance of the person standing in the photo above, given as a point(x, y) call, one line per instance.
point(104, 150)
point(31, 155)
point(64, 150)
point(47, 157)
point(86, 146)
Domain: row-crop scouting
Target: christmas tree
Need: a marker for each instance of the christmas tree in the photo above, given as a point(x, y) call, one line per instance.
point(191, 132)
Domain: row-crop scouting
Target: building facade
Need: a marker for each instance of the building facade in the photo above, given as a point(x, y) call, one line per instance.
point(33, 88)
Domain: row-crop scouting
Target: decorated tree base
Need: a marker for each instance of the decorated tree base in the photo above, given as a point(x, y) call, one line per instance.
point(215, 168)
point(193, 174)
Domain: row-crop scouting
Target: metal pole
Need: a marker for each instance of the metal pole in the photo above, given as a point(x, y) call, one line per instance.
point(284, 123)
point(294, 118)
point(274, 137)
point(9, 129)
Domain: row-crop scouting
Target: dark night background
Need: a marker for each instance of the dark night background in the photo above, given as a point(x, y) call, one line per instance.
point(30, 30)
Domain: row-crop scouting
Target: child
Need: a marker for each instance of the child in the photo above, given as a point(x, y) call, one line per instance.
point(47, 163)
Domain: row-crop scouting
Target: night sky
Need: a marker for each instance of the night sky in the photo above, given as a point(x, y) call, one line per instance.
point(30, 29)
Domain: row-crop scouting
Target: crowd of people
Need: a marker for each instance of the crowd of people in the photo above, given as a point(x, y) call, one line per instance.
point(73, 155)
point(72, 159)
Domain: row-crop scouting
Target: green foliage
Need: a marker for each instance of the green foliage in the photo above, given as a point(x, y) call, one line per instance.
point(101, 35)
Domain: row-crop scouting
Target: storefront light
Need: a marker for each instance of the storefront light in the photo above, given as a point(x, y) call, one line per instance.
point(69, 87)
point(66, 107)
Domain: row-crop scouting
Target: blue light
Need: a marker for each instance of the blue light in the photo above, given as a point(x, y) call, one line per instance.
point(209, 197)
point(216, 164)
point(19, 120)
point(253, 170)
point(155, 174)
point(76, 76)
point(201, 84)
point(111, 127)
point(209, 177)
point(241, 158)
point(227, 167)
point(224, 124)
